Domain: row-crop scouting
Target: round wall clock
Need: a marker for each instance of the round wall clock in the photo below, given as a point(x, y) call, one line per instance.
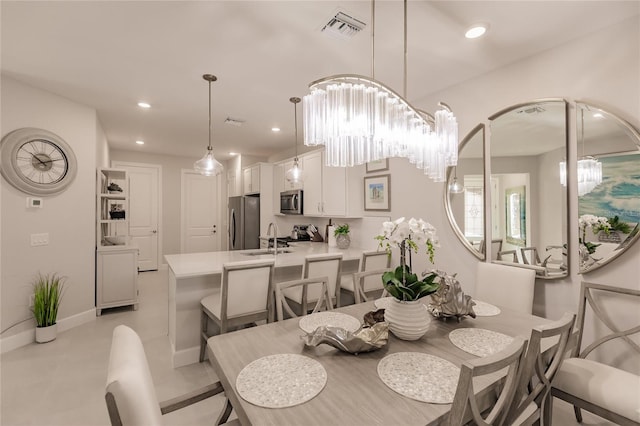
point(37, 161)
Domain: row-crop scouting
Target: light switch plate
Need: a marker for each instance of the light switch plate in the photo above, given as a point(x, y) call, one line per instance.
point(40, 239)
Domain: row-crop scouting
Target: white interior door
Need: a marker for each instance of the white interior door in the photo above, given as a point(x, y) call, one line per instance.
point(144, 194)
point(200, 213)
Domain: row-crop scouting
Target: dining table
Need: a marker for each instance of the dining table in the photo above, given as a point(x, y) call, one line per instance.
point(354, 393)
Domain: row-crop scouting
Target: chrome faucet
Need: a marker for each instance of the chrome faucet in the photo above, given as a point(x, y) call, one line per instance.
point(273, 226)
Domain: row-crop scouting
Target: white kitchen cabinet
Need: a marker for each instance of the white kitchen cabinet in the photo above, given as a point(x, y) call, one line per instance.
point(116, 278)
point(325, 188)
point(251, 179)
point(234, 183)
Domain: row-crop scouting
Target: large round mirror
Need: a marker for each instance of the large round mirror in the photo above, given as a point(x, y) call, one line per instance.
point(608, 186)
point(464, 197)
point(528, 200)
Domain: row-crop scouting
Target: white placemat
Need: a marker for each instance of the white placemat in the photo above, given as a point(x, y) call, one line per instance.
point(478, 341)
point(420, 376)
point(383, 302)
point(282, 380)
point(309, 323)
point(484, 309)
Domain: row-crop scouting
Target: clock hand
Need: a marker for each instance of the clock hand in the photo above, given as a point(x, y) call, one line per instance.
point(38, 158)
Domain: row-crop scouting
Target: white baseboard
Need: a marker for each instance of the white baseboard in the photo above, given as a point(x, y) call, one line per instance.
point(185, 356)
point(29, 336)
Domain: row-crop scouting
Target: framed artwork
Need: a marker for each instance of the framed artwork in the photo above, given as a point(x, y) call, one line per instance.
point(377, 193)
point(378, 165)
point(516, 214)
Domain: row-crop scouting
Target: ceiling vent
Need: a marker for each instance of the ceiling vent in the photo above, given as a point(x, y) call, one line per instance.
point(343, 26)
point(234, 122)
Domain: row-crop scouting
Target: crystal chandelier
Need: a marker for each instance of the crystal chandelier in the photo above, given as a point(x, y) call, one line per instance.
point(294, 174)
point(589, 169)
point(359, 119)
point(208, 165)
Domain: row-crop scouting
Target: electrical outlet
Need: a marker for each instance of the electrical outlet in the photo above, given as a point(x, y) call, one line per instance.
point(40, 239)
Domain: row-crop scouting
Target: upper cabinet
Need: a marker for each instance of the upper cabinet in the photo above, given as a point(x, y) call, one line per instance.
point(251, 179)
point(327, 190)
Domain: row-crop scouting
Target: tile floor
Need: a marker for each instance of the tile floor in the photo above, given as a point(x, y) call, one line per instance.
point(62, 382)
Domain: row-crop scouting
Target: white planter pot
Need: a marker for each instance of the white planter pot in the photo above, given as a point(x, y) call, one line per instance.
point(407, 320)
point(46, 334)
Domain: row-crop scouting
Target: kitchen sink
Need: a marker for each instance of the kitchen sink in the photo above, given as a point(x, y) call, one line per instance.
point(265, 251)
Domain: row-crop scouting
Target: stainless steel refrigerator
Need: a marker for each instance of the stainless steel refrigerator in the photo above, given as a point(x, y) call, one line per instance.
point(244, 223)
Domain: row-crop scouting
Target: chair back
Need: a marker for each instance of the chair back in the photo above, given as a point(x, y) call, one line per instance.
point(505, 286)
point(245, 288)
point(130, 395)
point(540, 366)
point(465, 400)
point(530, 256)
point(373, 261)
point(505, 253)
point(303, 285)
point(359, 278)
point(594, 296)
point(318, 265)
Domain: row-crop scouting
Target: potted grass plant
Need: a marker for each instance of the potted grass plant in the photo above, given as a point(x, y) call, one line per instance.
point(47, 294)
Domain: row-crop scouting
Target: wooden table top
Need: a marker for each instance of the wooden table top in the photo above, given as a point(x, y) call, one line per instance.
point(354, 394)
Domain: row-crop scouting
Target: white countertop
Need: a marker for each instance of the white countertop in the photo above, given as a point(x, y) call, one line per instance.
point(197, 264)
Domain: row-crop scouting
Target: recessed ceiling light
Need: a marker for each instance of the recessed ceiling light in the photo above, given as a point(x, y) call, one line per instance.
point(144, 105)
point(140, 142)
point(598, 115)
point(233, 153)
point(476, 30)
point(275, 129)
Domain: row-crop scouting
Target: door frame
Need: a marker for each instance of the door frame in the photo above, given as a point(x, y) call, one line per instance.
point(158, 167)
point(184, 172)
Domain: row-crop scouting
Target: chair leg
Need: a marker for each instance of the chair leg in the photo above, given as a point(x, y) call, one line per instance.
point(578, 414)
point(226, 412)
point(547, 410)
point(204, 323)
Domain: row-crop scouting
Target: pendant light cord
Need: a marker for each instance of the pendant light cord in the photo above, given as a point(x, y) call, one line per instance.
point(404, 93)
point(295, 126)
point(373, 39)
point(209, 148)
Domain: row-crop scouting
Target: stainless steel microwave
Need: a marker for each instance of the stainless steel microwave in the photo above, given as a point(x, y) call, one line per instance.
point(291, 202)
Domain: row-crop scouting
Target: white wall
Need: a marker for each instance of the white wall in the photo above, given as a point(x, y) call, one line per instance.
point(171, 169)
point(603, 69)
point(67, 217)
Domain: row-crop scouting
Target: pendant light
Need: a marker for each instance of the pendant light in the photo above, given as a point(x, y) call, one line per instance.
point(455, 187)
point(589, 168)
point(208, 165)
point(359, 119)
point(294, 174)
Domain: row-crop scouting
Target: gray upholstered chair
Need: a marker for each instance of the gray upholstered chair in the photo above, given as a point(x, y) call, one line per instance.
point(609, 392)
point(282, 302)
point(465, 400)
point(370, 261)
point(531, 404)
point(318, 265)
point(244, 297)
point(130, 395)
point(505, 286)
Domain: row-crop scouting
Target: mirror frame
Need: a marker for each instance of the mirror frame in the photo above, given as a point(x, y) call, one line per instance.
point(486, 151)
point(447, 203)
point(633, 132)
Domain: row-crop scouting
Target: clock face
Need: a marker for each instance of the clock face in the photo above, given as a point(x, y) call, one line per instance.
point(41, 161)
point(37, 161)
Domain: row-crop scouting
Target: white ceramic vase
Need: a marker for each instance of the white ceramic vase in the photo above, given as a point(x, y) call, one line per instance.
point(408, 320)
point(46, 334)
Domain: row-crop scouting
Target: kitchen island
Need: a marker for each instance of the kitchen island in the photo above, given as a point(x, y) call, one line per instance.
point(193, 276)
